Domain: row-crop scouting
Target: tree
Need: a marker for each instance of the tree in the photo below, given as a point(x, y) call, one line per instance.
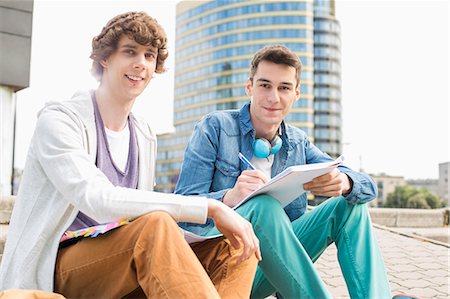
point(408, 197)
point(417, 201)
point(399, 197)
point(433, 201)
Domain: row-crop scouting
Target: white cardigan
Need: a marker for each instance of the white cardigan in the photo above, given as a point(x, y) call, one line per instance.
point(60, 178)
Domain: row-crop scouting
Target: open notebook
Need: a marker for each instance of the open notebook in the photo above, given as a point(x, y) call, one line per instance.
point(285, 187)
point(288, 184)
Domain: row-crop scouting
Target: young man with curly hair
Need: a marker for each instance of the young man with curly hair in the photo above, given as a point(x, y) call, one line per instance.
point(90, 172)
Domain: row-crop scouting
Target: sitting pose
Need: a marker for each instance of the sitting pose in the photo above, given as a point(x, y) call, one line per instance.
point(90, 172)
point(291, 240)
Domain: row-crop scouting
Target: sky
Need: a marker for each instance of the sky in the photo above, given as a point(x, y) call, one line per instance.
point(395, 77)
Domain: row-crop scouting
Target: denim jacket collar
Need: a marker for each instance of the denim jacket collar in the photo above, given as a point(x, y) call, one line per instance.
point(246, 121)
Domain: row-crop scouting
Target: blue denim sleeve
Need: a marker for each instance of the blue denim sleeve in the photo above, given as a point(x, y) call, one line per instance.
point(363, 187)
point(197, 169)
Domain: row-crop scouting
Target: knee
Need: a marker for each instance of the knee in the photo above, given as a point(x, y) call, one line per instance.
point(360, 211)
point(353, 210)
point(264, 203)
point(266, 208)
point(339, 201)
point(159, 220)
point(157, 216)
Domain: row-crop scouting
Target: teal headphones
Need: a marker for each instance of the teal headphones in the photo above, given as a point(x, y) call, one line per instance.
point(262, 148)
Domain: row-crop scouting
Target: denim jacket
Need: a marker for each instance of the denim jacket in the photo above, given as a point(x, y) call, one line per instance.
point(211, 164)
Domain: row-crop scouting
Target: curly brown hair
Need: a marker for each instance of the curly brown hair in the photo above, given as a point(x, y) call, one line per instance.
point(136, 25)
point(277, 54)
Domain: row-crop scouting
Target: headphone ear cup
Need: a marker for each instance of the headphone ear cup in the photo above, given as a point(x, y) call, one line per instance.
point(276, 145)
point(261, 148)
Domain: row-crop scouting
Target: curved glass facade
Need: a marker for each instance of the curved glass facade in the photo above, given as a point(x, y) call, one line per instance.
point(327, 79)
point(215, 41)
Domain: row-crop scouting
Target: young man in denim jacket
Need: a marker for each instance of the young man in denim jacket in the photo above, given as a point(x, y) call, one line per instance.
point(291, 240)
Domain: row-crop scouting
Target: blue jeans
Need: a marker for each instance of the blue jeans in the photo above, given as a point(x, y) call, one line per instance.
point(289, 249)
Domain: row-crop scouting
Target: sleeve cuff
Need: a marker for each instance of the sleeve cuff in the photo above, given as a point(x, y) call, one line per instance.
point(194, 210)
point(356, 189)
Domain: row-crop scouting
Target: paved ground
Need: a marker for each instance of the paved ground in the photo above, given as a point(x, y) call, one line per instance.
point(441, 234)
point(415, 265)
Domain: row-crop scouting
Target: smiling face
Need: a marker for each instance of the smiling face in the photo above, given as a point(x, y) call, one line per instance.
point(273, 90)
point(129, 69)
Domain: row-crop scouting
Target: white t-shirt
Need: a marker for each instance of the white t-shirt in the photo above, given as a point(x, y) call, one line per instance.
point(263, 164)
point(119, 146)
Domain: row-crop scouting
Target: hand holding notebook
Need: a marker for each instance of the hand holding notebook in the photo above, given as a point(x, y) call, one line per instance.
point(288, 185)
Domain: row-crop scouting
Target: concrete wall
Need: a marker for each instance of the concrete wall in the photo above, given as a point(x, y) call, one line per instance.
point(16, 18)
point(7, 107)
point(15, 43)
point(443, 186)
point(410, 217)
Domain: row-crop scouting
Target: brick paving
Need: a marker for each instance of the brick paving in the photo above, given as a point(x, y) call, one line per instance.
point(415, 265)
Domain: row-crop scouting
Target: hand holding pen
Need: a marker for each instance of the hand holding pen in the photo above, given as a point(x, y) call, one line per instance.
point(246, 161)
point(249, 181)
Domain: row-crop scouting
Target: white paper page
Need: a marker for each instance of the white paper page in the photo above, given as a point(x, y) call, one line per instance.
point(288, 185)
point(194, 238)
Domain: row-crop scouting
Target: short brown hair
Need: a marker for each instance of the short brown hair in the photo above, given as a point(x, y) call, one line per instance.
point(137, 25)
point(277, 54)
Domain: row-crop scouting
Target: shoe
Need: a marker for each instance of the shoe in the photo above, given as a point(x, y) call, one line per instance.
point(404, 296)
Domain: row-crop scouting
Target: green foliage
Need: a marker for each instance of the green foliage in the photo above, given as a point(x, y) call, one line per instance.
point(432, 200)
point(417, 201)
point(408, 197)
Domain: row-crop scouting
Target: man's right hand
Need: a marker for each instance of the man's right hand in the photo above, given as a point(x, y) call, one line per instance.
point(235, 228)
point(247, 182)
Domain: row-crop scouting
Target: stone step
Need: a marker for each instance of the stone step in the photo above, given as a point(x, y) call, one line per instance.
point(6, 206)
point(3, 232)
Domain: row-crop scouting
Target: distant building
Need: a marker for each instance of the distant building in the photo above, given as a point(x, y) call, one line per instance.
point(443, 187)
point(215, 41)
point(15, 48)
point(386, 184)
point(429, 184)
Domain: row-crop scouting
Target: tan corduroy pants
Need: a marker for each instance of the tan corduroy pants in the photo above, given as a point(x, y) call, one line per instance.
point(150, 258)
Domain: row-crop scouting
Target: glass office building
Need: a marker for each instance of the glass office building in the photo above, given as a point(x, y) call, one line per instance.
point(327, 79)
point(215, 41)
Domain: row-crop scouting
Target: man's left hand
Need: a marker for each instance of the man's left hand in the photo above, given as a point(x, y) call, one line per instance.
point(334, 183)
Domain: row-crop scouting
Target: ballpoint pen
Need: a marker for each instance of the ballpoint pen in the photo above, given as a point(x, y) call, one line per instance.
point(246, 161)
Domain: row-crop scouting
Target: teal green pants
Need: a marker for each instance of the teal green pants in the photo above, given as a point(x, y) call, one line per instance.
point(289, 249)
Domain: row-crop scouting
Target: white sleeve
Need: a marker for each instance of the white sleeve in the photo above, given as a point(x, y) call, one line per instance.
point(60, 151)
